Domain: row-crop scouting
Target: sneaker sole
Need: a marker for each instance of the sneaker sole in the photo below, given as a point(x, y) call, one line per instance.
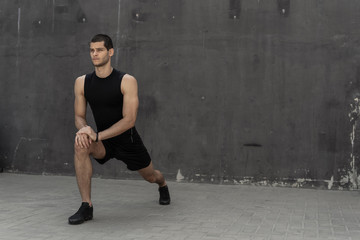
point(80, 222)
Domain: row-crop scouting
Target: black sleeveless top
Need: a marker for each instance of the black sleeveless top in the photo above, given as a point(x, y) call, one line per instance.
point(105, 98)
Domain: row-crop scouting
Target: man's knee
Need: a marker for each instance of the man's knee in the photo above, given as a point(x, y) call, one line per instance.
point(81, 151)
point(150, 178)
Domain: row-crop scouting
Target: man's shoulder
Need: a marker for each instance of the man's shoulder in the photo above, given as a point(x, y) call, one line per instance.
point(79, 84)
point(128, 77)
point(80, 78)
point(128, 83)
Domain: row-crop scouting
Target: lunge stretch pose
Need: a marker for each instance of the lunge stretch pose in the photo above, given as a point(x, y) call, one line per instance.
point(113, 98)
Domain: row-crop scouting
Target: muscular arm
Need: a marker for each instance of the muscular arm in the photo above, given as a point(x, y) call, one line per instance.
point(129, 89)
point(80, 103)
point(82, 140)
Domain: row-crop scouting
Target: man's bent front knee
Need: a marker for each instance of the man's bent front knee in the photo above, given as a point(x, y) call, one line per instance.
point(81, 150)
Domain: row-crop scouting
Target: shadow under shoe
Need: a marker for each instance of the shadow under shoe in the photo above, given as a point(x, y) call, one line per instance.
point(84, 213)
point(164, 195)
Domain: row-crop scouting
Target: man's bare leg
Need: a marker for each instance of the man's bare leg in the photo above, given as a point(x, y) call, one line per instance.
point(152, 176)
point(83, 168)
point(155, 176)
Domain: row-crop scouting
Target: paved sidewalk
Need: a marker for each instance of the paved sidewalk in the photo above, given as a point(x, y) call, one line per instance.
point(37, 207)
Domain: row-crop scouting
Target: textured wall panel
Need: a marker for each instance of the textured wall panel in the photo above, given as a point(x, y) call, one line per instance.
point(239, 91)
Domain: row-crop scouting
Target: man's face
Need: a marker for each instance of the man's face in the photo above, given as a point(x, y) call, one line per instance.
point(99, 54)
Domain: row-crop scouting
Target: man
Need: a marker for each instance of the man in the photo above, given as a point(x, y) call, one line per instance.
point(113, 98)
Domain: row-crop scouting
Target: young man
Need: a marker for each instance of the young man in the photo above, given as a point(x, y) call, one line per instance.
point(113, 98)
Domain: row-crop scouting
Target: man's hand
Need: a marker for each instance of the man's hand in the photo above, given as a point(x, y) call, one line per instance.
point(82, 140)
point(88, 131)
point(85, 136)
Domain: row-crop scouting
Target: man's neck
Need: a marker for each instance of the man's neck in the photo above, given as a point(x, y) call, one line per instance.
point(103, 71)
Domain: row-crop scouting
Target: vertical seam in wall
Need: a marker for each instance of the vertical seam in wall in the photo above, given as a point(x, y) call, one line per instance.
point(17, 63)
point(19, 18)
point(18, 37)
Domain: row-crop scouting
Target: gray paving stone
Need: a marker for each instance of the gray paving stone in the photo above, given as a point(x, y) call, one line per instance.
point(37, 208)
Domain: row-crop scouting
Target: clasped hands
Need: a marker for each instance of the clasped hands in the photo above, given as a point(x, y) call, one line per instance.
point(84, 137)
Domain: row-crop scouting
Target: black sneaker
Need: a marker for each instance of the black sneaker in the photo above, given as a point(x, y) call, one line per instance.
point(84, 213)
point(164, 195)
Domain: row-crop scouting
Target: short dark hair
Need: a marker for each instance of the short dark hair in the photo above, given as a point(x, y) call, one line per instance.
point(103, 38)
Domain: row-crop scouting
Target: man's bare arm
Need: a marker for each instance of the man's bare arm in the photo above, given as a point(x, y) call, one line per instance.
point(80, 103)
point(80, 112)
point(129, 89)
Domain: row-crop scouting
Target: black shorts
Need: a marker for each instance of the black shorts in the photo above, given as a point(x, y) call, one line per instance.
point(127, 147)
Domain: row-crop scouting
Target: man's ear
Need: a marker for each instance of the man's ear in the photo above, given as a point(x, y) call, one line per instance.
point(111, 52)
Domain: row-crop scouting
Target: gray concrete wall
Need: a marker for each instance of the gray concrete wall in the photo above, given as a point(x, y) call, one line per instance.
point(239, 91)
